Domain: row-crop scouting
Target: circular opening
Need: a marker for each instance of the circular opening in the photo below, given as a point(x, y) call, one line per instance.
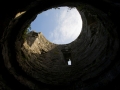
point(60, 25)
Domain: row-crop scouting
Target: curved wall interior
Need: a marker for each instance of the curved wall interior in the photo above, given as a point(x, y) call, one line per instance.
point(31, 62)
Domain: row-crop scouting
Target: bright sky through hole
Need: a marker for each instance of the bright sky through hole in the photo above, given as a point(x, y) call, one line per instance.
point(69, 62)
point(60, 26)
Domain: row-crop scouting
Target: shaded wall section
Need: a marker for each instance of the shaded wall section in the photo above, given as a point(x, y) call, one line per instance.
point(37, 64)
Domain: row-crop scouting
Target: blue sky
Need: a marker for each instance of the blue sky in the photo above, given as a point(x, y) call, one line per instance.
point(60, 26)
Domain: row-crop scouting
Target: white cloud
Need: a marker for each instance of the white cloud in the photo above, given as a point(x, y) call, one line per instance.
point(68, 27)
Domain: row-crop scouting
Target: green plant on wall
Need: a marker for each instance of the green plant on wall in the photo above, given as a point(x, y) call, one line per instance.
point(56, 8)
point(26, 31)
point(71, 7)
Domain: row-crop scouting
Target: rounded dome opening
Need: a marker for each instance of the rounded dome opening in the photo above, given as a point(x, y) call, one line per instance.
point(57, 23)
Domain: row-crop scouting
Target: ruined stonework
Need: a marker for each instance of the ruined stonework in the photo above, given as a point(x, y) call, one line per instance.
point(31, 62)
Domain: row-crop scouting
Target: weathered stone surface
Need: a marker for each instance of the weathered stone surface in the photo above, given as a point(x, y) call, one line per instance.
point(37, 64)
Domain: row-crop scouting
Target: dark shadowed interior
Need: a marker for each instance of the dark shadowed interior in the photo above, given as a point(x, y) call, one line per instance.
point(31, 62)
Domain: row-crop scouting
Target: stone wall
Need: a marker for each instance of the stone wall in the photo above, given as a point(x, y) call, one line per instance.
point(37, 64)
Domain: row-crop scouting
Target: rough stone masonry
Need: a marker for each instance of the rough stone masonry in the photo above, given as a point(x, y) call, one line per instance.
point(31, 62)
